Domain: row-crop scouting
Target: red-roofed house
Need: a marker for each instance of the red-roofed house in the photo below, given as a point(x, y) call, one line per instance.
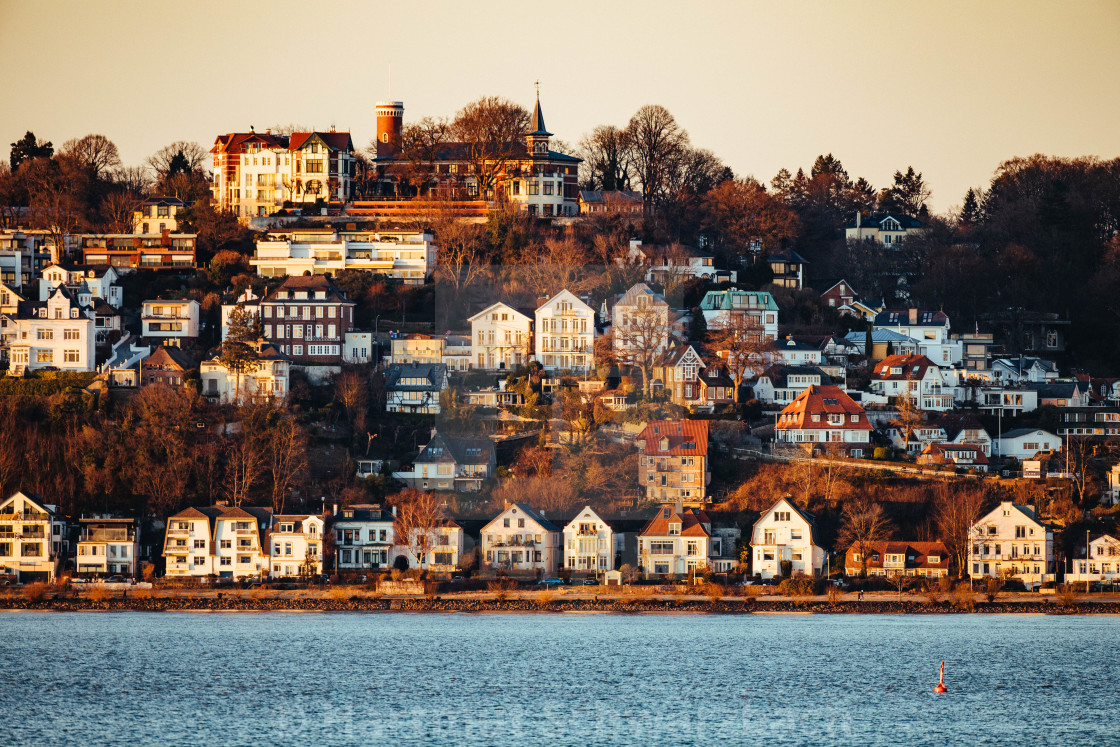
point(825, 415)
point(676, 541)
point(969, 456)
point(928, 559)
point(915, 376)
point(673, 464)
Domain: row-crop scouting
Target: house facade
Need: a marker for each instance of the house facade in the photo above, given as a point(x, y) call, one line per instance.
point(169, 366)
point(673, 461)
point(591, 544)
point(565, 334)
point(1102, 564)
point(784, 535)
point(267, 380)
point(296, 546)
point(364, 537)
point(720, 307)
point(928, 329)
point(520, 540)
point(108, 547)
point(1024, 443)
point(502, 337)
point(924, 559)
point(219, 541)
point(1010, 542)
point(414, 387)
point(308, 318)
point(33, 539)
point(407, 256)
point(450, 463)
point(126, 252)
point(677, 541)
point(156, 215)
point(888, 231)
point(59, 333)
point(169, 320)
point(640, 320)
point(827, 416)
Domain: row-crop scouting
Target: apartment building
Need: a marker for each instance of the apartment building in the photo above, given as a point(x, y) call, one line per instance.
point(673, 460)
point(308, 318)
point(502, 337)
point(783, 543)
point(520, 540)
point(408, 256)
point(33, 539)
point(565, 334)
point(296, 545)
point(222, 541)
point(591, 543)
point(676, 541)
point(59, 334)
point(108, 547)
point(266, 380)
point(169, 320)
point(1010, 542)
point(363, 537)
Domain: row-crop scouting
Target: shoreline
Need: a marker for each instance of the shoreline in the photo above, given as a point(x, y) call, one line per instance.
point(599, 605)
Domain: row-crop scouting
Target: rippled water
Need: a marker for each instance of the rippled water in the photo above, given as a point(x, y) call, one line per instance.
point(272, 679)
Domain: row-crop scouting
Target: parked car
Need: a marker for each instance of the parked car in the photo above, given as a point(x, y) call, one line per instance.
point(590, 582)
point(551, 582)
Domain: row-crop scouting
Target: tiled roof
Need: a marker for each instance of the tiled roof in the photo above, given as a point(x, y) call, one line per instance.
point(333, 140)
point(692, 523)
point(953, 452)
point(685, 437)
point(823, 401)
point(913, 366)
point(916, 555)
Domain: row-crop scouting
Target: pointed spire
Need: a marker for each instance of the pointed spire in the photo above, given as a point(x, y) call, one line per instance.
point(537, 123)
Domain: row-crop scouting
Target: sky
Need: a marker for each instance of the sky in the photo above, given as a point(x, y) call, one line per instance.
point(951, 88)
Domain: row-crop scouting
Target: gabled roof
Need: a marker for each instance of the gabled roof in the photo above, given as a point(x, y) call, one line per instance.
point(525, 509)
point(501, 305)
point(582, 516)
point(692, 521)
point(1056, 389)
point(451, 450)
point(789, 503)
point(790, 345)
point(1020, 432)
point(912, 366)
point(879, 335)
point(823, 401)
point(779, 375)
point(948, 452)
point(916, 554)
point(875, 220)
point(338, 141)
point(597, 196)
point(172, 355)
point(433, 373)
point(685, 437)
point(637, 290)
point(901, 317)
point(311, 284)
point(954, 423)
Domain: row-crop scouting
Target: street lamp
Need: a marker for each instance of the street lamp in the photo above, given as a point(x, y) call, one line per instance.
point(1086, 561)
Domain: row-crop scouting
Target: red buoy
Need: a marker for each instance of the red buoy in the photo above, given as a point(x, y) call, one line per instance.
point(941, 681)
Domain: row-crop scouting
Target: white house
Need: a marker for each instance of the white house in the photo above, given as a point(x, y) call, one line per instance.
point(915, 377)
point(1023, 369)
point(1102, 566)
point(33, 539)
point(502, 337)
point(1023, 443)
point(1010, 542)
point(930, 329)
point(364, 537)
point(782, 384)
point(408, 256)
point(565, 334)
point(591, 543)
point(220, 541)
point(108, 546)
point(784, 534)
point(825, 415)
point(446, 543)
point(790, 352)
point(520, 540)
point(267, 380)
point(59, 333)
point(169, 320)
point(888, 230)
point(719, 307)
point(156, 215)
point(100, 282)
point(641, 320)
point(296, 542)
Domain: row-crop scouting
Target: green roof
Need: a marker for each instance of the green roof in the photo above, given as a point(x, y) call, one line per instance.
point(731, 300)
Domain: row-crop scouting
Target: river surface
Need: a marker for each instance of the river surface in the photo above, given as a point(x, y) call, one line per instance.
point(458, 679)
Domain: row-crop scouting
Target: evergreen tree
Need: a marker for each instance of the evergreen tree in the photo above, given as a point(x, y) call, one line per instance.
point(27, 148)
point(240, 354)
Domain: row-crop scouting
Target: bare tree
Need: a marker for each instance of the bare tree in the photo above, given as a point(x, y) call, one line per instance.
point(287, 454)
point(422, 145)
point(181, 154)
point(741, 345)
point(117, 208)
point(641, 339)
point(863, 524)
point(901, 582)
point(606, 158)
point(1080, 452)
point(246, 457)
point(419, 519)
point(656, 142)
point(957, 508)
point(96, 152)
point(491, 131)
point(910, 416)
point(350, 391)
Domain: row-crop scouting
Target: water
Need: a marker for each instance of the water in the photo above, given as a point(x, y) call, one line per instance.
point(275, 679)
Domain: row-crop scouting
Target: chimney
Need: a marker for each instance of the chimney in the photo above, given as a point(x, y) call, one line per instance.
point(394, 512)
point(334, 508)
point(913, 316)
point(859, 219)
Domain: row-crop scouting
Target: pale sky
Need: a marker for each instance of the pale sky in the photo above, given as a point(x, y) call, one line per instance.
point(952, 88)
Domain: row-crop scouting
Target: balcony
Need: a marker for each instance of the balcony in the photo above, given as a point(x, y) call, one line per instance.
point(28, 516)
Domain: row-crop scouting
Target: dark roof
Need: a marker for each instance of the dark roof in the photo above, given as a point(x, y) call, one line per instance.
point(433, 373)
point(308, 283)
point(599, 195)
point(1018, 432)
point(779, 375)
point(333, 140)
point(449, 449)
point(895, 317)
point(536, 125)
point(1055, 389)
point(876, 219)
point(174, 355)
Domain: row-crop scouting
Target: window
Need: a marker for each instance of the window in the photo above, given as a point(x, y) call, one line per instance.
point(71, 356)
point(227, 561)
point(781, 515)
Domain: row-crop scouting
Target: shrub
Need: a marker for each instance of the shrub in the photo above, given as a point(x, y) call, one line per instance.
point(992, 589)
point(963, 598)
point(35, 592)
point(545, 599)
point(833, 595)
point(143, 593)
point(98, 593)
point(799, 587)
point(1065, 595)
point(756, 590)
point(714, 591)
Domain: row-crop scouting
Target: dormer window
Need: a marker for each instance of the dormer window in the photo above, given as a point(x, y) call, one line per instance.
point(674, 528)
point(73, 313)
